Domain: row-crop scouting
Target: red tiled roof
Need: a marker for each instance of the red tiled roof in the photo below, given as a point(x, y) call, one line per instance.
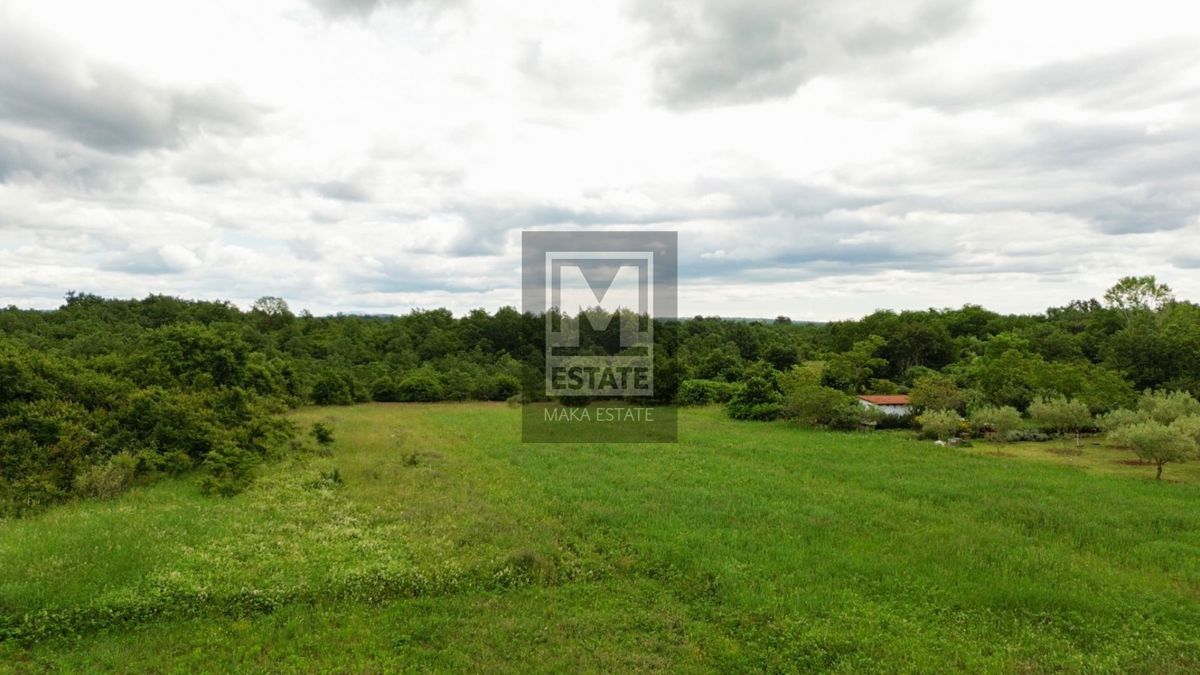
point(889, 399)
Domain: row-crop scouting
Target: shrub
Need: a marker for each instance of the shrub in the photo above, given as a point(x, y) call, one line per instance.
point(755, 400)
point(503, 387)
point(1158, 443)
point(333, 389)
point(813, 404)
point(322, 433)
point(1026, 435)
point(457, 385)
point(940, 424)
point(846, 417)
point(703, 392)
point(420, 386)
point(108, 479)
point(384, 389)
point(327, 480)
point(230, 471)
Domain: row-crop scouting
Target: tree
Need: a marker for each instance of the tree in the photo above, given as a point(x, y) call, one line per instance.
point(273, 312)
point(1166, 407)
point(1188, 426)
point(1157, 443)
point(999, 421)
point(1102, 388)
point(1007, 378)
point(1061, 415)
point(813, 404)
point(1131, 294)
point(936, 392)
point(851, 370)
point(942, 424)
point(1120, 418)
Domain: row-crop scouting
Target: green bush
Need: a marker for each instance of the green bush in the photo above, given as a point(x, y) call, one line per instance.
point(1026, 435)
point(846, 417)
point(385, 389)
point(333, 389)
point(108, 479)
point(813, 404)
point(704, 392)
point(503, 387)
point(757, 399)
point(229, 470)
point(322, 433)
point(420, 386)
point(941, 424)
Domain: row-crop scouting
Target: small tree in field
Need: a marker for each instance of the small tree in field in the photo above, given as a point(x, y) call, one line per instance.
point(999, 420)
point(1061, 415)
point(941, 423)
point(1157, 443)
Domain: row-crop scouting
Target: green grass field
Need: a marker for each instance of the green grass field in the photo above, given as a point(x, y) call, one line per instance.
point(747, 546)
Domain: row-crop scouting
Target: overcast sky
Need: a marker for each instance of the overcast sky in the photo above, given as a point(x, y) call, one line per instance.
point(819, 158)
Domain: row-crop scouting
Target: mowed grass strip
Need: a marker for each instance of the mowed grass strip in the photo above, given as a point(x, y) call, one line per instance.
point(746, 545)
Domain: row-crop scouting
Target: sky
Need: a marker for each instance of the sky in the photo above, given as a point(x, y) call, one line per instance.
point(819, 159)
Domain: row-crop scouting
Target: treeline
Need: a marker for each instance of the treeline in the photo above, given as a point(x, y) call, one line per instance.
point(102, 392)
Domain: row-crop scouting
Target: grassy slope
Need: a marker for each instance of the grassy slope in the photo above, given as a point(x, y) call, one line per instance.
point(748, 545)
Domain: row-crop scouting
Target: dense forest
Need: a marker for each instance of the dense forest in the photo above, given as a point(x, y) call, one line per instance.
point(101, 393)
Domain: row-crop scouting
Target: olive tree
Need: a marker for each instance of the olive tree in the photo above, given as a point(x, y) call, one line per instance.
point(1061, 415)
point(1120, 418)
point(1189, 426)
point(998, 420)
point(1165, 407)
point(1157, 443)
point(941, 423)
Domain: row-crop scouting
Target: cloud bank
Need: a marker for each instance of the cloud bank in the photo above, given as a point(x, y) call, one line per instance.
point(819, 159)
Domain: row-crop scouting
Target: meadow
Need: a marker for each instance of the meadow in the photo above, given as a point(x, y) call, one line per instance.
point(430, 538)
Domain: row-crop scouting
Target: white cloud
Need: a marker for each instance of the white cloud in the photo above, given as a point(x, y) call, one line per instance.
point(818, 159)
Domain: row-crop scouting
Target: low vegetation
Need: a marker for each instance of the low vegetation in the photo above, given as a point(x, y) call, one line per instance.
point(427, 537)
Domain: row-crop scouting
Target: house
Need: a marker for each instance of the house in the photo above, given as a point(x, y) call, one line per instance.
point(891, 404)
